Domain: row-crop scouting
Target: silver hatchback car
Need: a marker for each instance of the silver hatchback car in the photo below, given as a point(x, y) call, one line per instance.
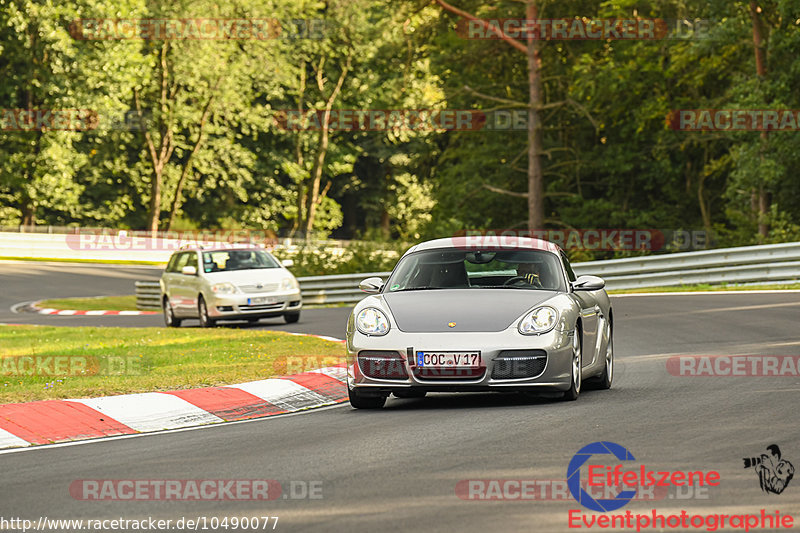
point(241, 282)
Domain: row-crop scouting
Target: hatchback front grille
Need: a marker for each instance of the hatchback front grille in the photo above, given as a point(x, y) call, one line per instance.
point(518, 364)
point(259, 287)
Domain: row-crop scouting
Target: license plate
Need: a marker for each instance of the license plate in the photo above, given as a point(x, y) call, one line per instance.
point(261, 300)
point(449, 359)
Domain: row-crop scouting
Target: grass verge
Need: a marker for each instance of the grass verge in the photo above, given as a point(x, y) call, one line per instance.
point(99, 303)
point(46, 362)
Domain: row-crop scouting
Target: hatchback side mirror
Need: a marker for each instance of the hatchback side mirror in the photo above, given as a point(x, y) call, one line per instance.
point(287, 262)
point(588, 283)
point(371, 285)
point(189, 271)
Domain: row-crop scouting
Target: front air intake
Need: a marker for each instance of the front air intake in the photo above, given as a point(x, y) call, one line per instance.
point(518, 364)
point(382, 365)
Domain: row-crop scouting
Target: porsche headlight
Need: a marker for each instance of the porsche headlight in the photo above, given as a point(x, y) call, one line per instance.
point(223, 288)
point(289, 283)
point(371, 321)
point(540, 320)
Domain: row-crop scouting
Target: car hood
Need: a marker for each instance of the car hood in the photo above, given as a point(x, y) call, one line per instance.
point(432, 311)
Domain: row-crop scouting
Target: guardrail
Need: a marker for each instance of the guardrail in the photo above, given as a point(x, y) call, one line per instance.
point(148, 295)
point(747, 264)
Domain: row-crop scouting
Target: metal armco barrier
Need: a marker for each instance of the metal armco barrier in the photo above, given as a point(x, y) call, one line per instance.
point(747, 264)
point(148, 295)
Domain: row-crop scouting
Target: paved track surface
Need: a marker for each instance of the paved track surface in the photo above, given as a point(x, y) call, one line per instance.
point(397, 469)
point(29, 281)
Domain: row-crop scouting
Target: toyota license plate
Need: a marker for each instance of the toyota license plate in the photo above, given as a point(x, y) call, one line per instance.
point(449, 359)
point(261, 300)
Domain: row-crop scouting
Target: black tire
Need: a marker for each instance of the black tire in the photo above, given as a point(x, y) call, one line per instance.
point(603, 381)
point(575, 381)
point(202, 313)
point(360, 400)
point(169, 314)
point(410, 393)
point(253, 320)
point(291, 318)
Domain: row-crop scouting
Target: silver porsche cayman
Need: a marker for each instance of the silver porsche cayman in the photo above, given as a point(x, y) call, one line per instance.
point(469, 314)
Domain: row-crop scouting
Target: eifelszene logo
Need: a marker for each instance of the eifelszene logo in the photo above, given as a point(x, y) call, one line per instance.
point(630, 480)
point(774, 473)
point(574, 477)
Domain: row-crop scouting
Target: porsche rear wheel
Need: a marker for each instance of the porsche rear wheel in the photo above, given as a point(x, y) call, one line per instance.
point(603, 381)
point(575, 368)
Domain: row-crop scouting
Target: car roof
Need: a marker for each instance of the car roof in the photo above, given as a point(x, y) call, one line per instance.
point(488, 241)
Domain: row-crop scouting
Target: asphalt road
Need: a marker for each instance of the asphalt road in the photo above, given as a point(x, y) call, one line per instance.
point(397, 469)
point(23, 281)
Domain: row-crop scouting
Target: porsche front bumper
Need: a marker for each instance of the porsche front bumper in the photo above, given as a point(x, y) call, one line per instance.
point(509, 361)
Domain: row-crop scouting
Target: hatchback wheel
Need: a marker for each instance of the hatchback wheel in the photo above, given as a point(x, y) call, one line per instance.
point(202, 312)
point(169, 314)
point(291, 318)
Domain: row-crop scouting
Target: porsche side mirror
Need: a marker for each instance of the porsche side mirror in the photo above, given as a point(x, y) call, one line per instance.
point(371, 285)
point(588, 283)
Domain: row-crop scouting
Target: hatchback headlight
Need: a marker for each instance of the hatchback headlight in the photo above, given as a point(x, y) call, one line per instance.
point(371, 321)
point(224, 288)
point(540, 320)
point(289, 283)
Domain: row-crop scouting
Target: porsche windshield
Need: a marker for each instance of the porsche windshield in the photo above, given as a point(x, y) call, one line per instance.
point(465, 269)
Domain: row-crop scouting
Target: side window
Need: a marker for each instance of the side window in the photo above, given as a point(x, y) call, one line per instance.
point(568, 268)
point(182, 261)
point(173, 261)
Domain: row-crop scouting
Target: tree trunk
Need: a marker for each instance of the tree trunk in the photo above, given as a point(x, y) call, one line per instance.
point(761, 69)
point(535, 181)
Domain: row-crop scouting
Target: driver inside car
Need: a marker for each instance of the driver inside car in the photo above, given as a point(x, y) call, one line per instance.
point(530, 274)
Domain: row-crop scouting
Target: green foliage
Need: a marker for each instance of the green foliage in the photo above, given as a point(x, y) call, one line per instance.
point(611, 161)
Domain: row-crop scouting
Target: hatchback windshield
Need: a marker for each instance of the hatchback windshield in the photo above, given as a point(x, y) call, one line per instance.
point(465, 269)
point(227, 260)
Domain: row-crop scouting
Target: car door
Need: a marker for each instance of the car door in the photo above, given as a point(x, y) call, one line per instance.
point(178, 291)
point(191, 284)
point(590, 317)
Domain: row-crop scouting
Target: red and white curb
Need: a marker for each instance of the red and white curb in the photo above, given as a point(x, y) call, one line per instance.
point(73, 312)
point(52, 421)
